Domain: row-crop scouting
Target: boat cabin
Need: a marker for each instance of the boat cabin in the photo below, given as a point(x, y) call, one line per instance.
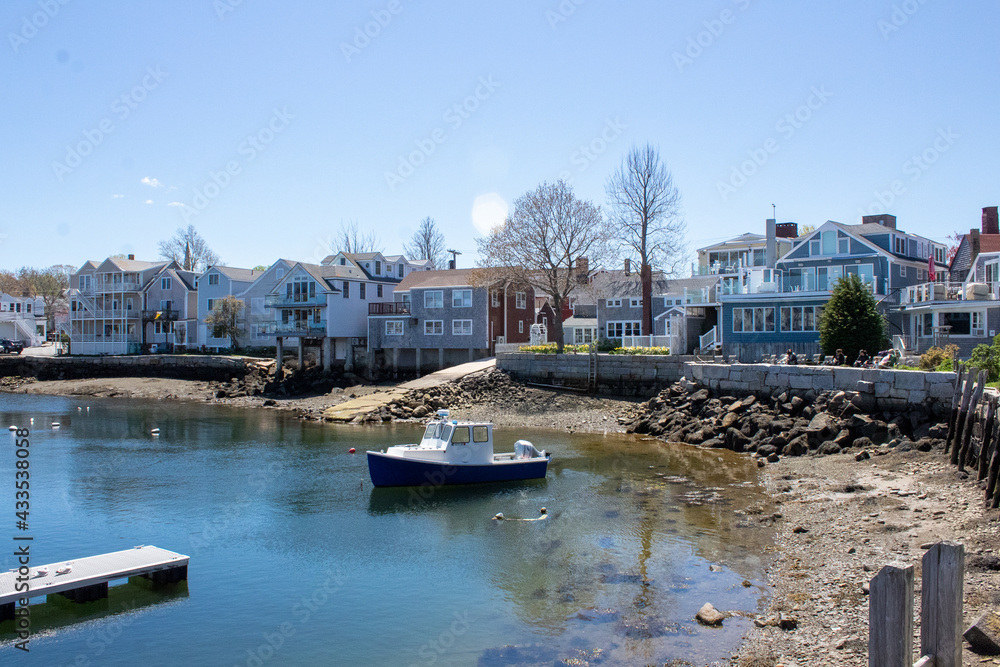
point(454, 441)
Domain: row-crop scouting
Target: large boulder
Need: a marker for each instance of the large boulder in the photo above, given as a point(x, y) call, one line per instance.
point(797, 447)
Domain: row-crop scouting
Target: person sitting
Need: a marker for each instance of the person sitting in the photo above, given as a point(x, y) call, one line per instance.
point(792, 358)
point(863, 360)
point(839, 358)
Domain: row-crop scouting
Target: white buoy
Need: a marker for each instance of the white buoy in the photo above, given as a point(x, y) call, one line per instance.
point(55, 424)
point(155, 431)
point(498, 516)
point(11, 428)
point(31, 421)
point(79, 408)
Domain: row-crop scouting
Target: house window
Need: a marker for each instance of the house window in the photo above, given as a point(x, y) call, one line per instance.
point(84, 283)
point(814, 247)
point(211, 304)
point(213, 279)
point(583, 335)
point(165, 305)
point(843, 246)
point(300, 289)
point(165, 283)
point(378, 290)
point(363, 291)
point(635, 303)
point(747, 320)
point(400, 270)
point(978, 329)
point(619, 329)
point(433, 327)
point(461, 327)
point(347, 290)
point(495, 298)
point(614, 303)
point(461, 298)
point(865, 271)
point(960, 323)
point(799, 318)
point(434, 299)
point(378, 267)
point(520, 326)
point(902, 271)
point(520, 300)
point(829, 243)
point(899, 244)
point(394, 327)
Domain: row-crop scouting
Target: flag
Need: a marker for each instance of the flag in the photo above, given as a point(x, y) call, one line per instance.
point(931, 274)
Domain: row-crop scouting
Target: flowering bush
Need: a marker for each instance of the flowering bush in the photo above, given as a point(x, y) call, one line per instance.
point(550, 348)
point(640, 350)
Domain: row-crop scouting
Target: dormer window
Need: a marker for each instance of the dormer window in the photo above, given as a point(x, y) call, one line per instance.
point(343, 261)
point(378, 267)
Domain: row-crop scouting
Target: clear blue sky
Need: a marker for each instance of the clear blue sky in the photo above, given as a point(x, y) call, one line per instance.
point(545, 89)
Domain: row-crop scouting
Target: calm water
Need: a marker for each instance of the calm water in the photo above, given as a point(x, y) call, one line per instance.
point(297, 560)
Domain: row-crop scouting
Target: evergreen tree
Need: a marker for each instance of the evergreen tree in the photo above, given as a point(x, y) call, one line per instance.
point(851, 321)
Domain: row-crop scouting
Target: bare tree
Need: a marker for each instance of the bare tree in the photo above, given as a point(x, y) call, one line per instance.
point(541, 242)
point(645, 207)
point(48, 284)
point(9, 284)
point(427, 243)
point(352, 240)
point(189, 249)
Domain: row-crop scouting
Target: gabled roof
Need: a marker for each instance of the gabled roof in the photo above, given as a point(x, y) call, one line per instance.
point(130, 265)
point(233, 273)
point(362, 256)
point(430, 279)
point(323, 275)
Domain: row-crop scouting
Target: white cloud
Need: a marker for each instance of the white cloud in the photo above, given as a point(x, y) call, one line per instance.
point(118, 196)
point(149, 201)
point(151, 182)
point(176, 203)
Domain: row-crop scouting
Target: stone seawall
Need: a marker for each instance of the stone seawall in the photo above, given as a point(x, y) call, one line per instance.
point(891, 389)
point(185, 367)
point(639, 375)
point(618, 375)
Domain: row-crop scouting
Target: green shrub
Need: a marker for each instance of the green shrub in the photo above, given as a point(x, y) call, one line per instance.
point(937, 359)
point(986, 358)
point(551, 348)
point(641, 350)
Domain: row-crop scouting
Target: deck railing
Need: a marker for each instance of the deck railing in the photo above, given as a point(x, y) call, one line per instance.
point(389, 308)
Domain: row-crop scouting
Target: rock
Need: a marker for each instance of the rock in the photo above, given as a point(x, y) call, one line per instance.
point(730, 419)
point(269, 402)
point(800, 529)
point(736, 440)
point(786, 622)
point(773, 458)
point(866, 587)
point(863, 443)
point(709, 615)
point(828, 448)
point(796, 447)
point(766, 450)
point(420, 411)
point(699, 396)
point(760, 463)
point(984, 634)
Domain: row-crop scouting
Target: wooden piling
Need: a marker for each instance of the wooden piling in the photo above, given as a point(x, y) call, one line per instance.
point(963, 406)
point(989, 439)
point(956, 399)
point(941, 603)
point(890, 617)
point(961, 449)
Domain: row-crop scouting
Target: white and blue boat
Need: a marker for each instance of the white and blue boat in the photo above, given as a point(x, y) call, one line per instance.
point(453, 452)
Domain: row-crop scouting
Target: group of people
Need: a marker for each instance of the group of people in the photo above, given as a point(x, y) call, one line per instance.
point(884, 359)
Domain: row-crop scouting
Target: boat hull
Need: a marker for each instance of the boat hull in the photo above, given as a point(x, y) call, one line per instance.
point(386, 470)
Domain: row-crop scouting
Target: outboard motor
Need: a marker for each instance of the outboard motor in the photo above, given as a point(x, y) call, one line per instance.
point(525, 450)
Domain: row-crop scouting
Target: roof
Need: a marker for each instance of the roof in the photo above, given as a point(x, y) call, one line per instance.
point(233, 273)
point(361, 256)
point(580, 322)
point(426, 279)
point(616, 284)
point(187, 277)
point(134, 264)
point(989, 243)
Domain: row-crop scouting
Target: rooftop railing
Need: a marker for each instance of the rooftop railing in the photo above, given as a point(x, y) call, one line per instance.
point(949, 291)
point(389, 308)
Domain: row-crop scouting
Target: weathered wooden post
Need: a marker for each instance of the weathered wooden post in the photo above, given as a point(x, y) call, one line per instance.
point(890, 617)
point(963, 405)
point(989, 429)
point(941, 604)
point(962, 445)
point(956, 398)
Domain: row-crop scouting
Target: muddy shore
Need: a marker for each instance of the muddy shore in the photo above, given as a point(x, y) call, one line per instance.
point(836, 520)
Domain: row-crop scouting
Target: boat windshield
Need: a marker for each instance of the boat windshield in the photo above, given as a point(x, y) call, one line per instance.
point(438, 431)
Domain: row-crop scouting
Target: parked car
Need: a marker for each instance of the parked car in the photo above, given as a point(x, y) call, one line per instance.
point(11, 346)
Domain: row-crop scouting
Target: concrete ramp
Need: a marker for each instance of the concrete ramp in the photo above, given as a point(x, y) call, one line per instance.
point(363, 405)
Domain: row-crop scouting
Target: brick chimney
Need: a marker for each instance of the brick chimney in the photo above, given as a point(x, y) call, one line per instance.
point(131, 256)
point(884, 219)
point(991, 225)
point(974, 244)
point(582, 269)
point(787, 230)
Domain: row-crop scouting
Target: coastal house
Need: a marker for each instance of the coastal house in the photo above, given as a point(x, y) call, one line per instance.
point(106, 305)
point(581, 328)
point(960, 305)
point(767, 310)
point(170, 310)
point(215, 284)
point(683, 309)
point(327, 305)
point(23, 318)
point(258, 314)
point(441, 318)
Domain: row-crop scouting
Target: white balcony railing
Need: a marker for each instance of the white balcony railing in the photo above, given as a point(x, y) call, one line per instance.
point(949, 291)
point(646, 341)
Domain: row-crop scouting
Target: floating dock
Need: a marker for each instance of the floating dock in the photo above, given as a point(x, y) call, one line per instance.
point(88, 579)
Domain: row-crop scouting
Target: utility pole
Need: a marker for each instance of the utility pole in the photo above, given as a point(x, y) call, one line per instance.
point(453, 264)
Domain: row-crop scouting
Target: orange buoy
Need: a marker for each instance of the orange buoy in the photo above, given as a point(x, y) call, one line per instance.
point(351, 450)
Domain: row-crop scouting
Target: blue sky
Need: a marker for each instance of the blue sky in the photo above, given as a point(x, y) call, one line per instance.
point(267, 124)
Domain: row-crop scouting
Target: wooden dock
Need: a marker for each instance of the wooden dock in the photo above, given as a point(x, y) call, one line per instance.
point(89, 577)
